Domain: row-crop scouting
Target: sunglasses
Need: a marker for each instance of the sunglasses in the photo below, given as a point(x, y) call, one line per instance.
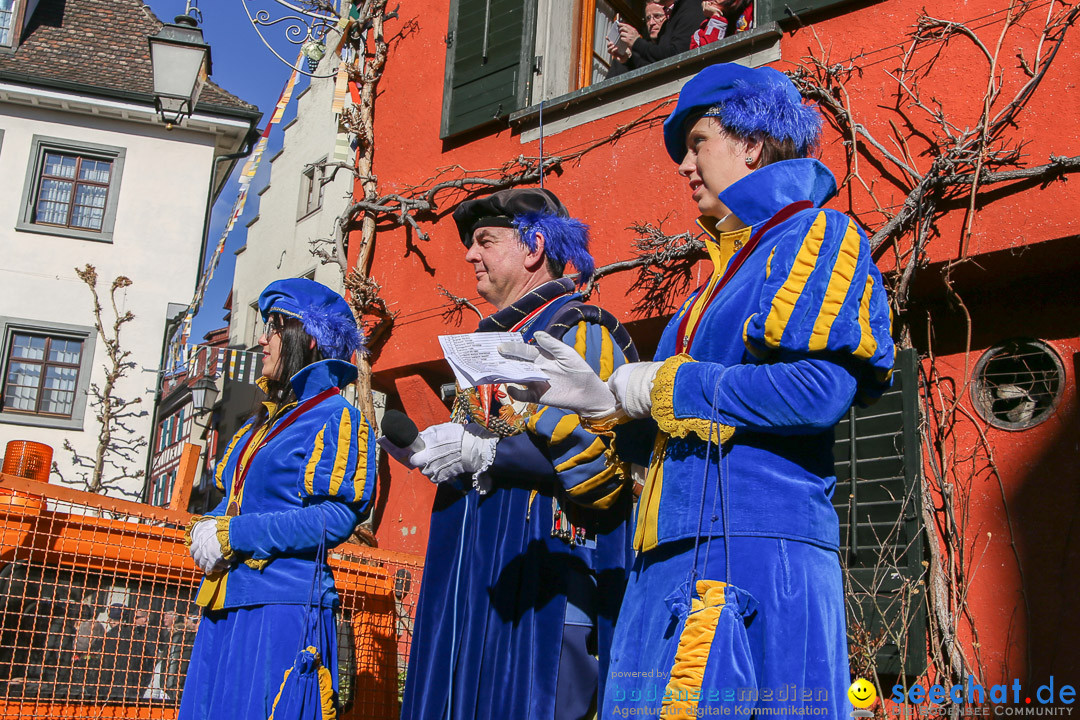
point(272, 327)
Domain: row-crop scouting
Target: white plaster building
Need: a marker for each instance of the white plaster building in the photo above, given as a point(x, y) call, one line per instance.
point(295, 208)
point(92, 176)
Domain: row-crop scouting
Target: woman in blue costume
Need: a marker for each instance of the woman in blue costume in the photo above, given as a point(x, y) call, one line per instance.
point(296, 476)
point(736, 596)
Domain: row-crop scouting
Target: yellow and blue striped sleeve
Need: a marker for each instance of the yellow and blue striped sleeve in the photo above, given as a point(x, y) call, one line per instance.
point(234, 446)
point(584, 463)
point(823, 294)
point(820, 329)
point(341, 463)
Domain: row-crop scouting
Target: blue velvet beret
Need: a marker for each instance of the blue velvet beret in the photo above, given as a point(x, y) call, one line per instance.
point(749, 102)
point(324, 314)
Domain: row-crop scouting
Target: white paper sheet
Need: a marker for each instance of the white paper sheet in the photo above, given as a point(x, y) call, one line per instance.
point(475, 359)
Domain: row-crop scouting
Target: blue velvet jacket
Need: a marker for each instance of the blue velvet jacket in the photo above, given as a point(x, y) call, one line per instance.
point(317, 475)
point(799, 331)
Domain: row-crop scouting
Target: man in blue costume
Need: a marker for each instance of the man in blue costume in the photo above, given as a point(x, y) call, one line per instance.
point(529, 546)
point(736, 595)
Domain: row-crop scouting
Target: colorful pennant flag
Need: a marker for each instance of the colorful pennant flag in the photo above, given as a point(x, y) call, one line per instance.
point(251, 167)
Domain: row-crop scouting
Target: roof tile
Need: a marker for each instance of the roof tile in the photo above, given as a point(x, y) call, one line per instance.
point(97, 43)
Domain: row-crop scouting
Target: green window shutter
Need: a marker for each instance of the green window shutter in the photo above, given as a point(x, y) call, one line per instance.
point(779, 10)
point(488, 62)
point(881, 539)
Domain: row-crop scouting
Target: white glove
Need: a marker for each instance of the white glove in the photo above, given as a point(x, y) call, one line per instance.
point(205, 548)
point(632, 386)
point(451, 449)
point(573, 385)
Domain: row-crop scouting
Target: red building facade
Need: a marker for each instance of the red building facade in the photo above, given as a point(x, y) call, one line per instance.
point(990, 307)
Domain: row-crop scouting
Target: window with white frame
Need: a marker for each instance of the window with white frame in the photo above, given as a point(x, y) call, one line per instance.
point(43, 374)
point(7, 22)
point(255, 326)
point(46, 373)
point(311, 187)
point(71, 189)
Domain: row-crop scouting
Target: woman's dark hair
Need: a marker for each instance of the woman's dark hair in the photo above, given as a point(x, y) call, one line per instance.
point(297, 353)
point(773, 150)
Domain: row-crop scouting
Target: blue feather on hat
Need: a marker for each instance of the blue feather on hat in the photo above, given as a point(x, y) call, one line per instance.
point(566, 240)
point(767, 108)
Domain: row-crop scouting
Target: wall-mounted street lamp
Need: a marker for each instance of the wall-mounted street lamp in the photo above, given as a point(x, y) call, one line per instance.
point(181, 62)
point(204, 392)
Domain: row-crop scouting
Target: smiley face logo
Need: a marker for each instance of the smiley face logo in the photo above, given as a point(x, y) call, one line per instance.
point(862, 693)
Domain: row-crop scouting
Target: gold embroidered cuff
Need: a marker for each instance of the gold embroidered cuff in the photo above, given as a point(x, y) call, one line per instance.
point(257, 564)
point(604, 425)
point(663, 407)
point(187, 531)
point(223, 537)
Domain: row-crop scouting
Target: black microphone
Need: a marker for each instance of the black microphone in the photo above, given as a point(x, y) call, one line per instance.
point(400, 430)
point(400, 437)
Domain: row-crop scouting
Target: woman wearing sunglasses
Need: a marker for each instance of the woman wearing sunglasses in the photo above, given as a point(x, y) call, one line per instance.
point(297, 477)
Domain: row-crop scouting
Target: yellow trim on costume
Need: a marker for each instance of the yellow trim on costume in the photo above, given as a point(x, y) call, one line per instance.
point(191, 526)
point(605, 425)
point(275, 413)
point(612, 467)
point(648, 510)
point(663, 407)
point(326, 688)
point(751, 347)
point(687, 671)
point(341, 462)
point(581, 339)
point(783, 303)
point(595, 481)
point(595, 450)
point(535, 418)
point(563, 429)
point(313, 462)
point(326, 693)
point(768, 263)
point(211, 593)
point(528, 508)
point(223, 537)
point(277, 698)
point(360, 479)
point(608, 500)
point(218, 479)
point(839, 284)
point(607, 354)
point(721, 248)
point(868, 343)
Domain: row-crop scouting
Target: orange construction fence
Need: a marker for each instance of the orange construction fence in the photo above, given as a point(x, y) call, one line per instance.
point(97, 615)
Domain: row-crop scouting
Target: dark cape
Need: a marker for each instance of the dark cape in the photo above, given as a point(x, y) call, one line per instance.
point(488, 638)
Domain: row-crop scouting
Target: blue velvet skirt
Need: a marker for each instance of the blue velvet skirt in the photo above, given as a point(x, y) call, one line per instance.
point(775, 642)
point(240, 657)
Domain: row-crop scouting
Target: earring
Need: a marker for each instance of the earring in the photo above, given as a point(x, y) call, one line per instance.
point(749, 160)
